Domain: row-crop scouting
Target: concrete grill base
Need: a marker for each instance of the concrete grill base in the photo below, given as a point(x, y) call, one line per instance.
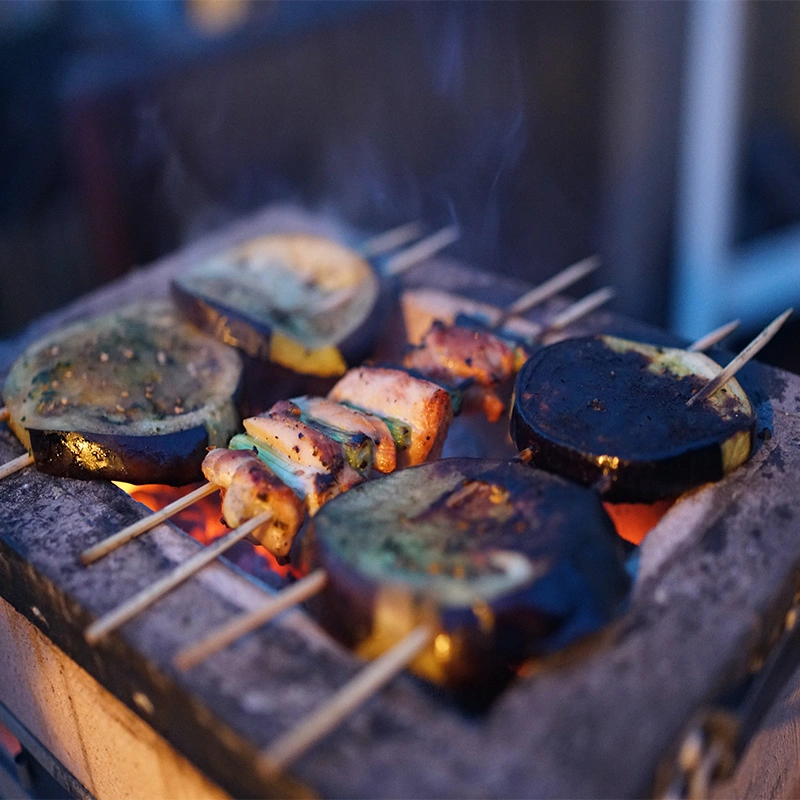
point(716, 578)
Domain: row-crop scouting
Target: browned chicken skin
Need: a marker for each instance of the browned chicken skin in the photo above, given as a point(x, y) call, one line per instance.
point(354, 421)
point(283, 430)
point(451, 352)
point(457, 351)
point(249, 488)
point(388, 392)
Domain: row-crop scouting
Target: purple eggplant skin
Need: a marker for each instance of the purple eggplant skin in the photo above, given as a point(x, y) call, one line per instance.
point(600, 417)
point(173, 458)
point(384, 535)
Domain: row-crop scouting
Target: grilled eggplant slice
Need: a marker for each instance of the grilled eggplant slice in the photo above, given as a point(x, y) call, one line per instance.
point(301, 301)
point(136, 395)
point(610, 412)
point(502, 561)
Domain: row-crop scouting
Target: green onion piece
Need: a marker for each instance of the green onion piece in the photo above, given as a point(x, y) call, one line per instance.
point(399, 430)
point(283, 467)
point(358, 447)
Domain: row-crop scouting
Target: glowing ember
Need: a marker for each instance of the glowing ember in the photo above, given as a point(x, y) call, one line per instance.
point(634, 521)
point(202, 521)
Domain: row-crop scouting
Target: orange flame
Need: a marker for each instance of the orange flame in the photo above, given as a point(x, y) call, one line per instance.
point(203, 521)
point(634, 521)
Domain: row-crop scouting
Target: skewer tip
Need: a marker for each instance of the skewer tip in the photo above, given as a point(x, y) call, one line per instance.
point(740, 360)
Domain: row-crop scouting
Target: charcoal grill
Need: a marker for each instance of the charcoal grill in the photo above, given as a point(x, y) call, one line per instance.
point(716, 578)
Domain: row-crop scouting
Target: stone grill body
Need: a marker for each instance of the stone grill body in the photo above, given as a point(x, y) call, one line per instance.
point(716, 577)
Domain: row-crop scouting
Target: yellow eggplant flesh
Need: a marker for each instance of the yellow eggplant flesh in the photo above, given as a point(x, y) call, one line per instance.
point(302, 301)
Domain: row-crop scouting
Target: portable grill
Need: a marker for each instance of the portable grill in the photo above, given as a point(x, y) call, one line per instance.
point(612, 717)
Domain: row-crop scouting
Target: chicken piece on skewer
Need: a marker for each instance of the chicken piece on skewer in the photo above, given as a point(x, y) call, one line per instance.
point(255, 476)
point(423, 307)
point(449, 353)
point(488, 357)
point(249, 487)
point(284, 431)
point(423, 409)
point(311, 463)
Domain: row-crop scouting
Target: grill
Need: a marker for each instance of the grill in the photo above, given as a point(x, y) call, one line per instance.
point(716, 578)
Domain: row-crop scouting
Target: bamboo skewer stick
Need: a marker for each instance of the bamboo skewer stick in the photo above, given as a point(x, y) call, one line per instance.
point(111, 543)
point(325, 719)
point(229, 632)
point(391, 239)
point(713, 337)
point(15, 465)
point(580, 308)
point(739, 361)
point(155, 591)
point(549, 288)
point(423, 249)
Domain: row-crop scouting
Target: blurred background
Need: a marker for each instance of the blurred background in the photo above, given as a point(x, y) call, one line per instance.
point(663, 136)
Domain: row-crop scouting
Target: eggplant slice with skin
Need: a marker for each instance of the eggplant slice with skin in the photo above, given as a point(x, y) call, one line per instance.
point(612, 413)
point(137, 395)
point(502, 561)
point(302, 301)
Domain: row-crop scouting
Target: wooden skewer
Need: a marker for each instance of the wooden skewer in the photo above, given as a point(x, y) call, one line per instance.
point(15, 465)
point(391, 239)
point(4, 414)
point(155, 591)
point(549, 288)
point(713, 337)
point(423, 249)
point(293, 744)
point(580, 309)
point(739, 361)
point(229, 632)
point(111, 543)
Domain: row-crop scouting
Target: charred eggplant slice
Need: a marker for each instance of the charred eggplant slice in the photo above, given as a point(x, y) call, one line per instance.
point(610, 412)
point(301, 301)
point(503, 561)
point(136, 395)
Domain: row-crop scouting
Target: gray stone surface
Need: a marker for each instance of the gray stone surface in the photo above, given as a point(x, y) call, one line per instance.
point(716, 577)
